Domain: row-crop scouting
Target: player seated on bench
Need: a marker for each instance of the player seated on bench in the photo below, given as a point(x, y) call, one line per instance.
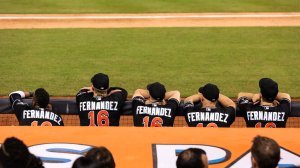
point(269, 108)
point(39, 113)
point(208, 114)
point(100, 105)
point(155, 107)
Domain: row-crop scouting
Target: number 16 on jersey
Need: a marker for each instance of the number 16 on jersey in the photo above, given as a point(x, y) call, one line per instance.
point(102, 118)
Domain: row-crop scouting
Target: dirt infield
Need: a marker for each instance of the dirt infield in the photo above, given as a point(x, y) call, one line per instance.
point(29, 21)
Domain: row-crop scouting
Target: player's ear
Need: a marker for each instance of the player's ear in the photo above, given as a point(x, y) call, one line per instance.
point(33, 101)
point(201, 99)
point(204, 160)
point(253, 162)
point(49, 107)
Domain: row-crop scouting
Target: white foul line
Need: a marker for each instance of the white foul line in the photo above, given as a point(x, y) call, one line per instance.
point(152, 17)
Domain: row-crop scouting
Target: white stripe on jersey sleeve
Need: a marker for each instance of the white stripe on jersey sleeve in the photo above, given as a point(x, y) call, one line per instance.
point(18, 92)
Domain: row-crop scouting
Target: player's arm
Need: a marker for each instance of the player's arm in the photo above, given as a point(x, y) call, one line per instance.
point(226, 101)
point(173, 98)
point(110, 92)
point(113, 90)
point(83, 91)
point(19, 95)
point(280, 96)
point(173, 95)
point(245, 94)
point(141, 93)
point(189, 102)
point(194, 98)
point(244, 101)
point(254, 97)
point(86, 89)
point(17, 104)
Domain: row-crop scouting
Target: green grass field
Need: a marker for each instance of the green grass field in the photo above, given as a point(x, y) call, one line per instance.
point(147, 6)
point(63, 60)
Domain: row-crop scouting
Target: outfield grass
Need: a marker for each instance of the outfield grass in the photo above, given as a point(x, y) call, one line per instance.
point(147, 6)
point(63, 60)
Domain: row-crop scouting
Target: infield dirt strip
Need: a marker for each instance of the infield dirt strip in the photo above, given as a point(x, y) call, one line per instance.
point(30, 21)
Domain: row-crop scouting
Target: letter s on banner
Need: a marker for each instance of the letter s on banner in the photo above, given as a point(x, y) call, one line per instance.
point(59, 155)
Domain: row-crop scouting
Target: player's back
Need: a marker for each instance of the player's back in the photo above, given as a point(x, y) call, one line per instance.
point(33, 116)
point(40, 117)
point(99, 111)
point(265, 116)
point(153, 115)
point(209, 117)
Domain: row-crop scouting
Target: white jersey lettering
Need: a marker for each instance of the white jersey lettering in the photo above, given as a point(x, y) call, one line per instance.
point(154, 111)
point(265, 116)
point(103, 105)
point(207, 117)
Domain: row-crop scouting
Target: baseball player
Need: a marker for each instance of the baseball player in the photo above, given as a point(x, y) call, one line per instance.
point(39, 114)
point(269, 108)
point(155, 107)
point(100, 105)
point(208, 114)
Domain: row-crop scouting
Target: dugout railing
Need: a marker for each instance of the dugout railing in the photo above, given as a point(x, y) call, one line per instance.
point(66, 107)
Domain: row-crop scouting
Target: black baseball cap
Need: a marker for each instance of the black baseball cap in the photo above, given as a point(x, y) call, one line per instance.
point(157, 91)
point(268, 89)
point(100, 81)
point(210, 92)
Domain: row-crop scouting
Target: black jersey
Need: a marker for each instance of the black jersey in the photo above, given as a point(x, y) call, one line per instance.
point(265, 116)
point(100, 111)
point(197, 116)
point(29, 116)
point(153, 115)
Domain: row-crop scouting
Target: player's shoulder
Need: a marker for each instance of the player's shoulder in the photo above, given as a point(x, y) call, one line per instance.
point(173, 101)
point(286, 101)
point(188, 105)
point(117, 95)
point(230, 110)
point(285, 105)
point(85, 95)
point(243, 100)
point(138, 99)
point(20, 105)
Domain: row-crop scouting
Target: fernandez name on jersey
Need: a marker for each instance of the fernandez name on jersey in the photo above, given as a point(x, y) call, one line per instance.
point(42, 114)
point(154, 111)
point(265, 116)
point(103, 105)
point(207, 116)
